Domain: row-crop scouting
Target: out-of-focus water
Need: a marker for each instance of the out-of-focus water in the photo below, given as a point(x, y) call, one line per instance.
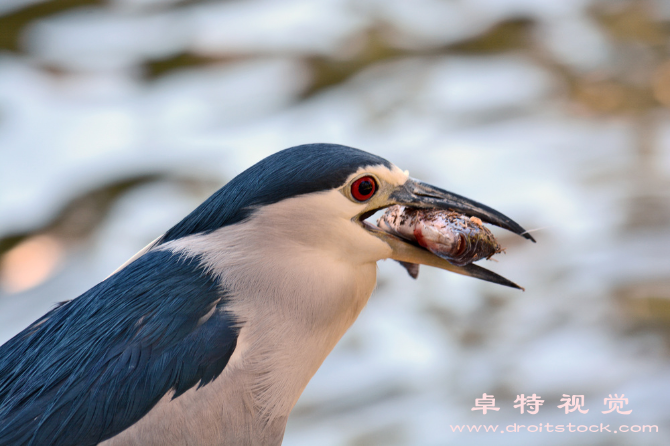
point(117, 118)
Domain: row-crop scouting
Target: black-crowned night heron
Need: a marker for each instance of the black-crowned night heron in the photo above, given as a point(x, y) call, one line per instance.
point(209, 335)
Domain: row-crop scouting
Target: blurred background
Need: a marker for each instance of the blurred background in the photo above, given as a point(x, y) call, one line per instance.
point(118, 117)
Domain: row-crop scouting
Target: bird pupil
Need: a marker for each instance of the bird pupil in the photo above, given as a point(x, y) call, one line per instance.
point(365, 188)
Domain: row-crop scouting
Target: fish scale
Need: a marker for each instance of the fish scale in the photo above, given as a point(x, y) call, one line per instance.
point(455, 237)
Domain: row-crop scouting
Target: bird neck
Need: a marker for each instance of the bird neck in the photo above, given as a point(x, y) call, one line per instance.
point(293, 302)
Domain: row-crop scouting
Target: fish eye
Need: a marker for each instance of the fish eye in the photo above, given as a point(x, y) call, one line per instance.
point(364, 188)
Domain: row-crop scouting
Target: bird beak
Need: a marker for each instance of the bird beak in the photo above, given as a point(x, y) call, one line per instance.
point(417, 194)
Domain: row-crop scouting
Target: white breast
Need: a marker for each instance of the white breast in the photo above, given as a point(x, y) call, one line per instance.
point(295, 294)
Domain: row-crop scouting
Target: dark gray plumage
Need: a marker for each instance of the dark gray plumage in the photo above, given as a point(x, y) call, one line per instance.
point(242, 300)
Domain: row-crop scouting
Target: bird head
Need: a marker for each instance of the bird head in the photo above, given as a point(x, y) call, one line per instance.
point(318, 197)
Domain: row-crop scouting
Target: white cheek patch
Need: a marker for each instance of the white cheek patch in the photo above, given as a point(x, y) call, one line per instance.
point(393, 176)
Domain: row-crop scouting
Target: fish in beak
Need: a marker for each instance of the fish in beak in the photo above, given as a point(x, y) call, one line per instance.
point(416, 194)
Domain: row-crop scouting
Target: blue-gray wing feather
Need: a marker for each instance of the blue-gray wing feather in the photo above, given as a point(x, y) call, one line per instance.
point(93, 366)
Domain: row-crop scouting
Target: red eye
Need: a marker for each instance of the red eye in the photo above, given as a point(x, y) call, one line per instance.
point(363, 188)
